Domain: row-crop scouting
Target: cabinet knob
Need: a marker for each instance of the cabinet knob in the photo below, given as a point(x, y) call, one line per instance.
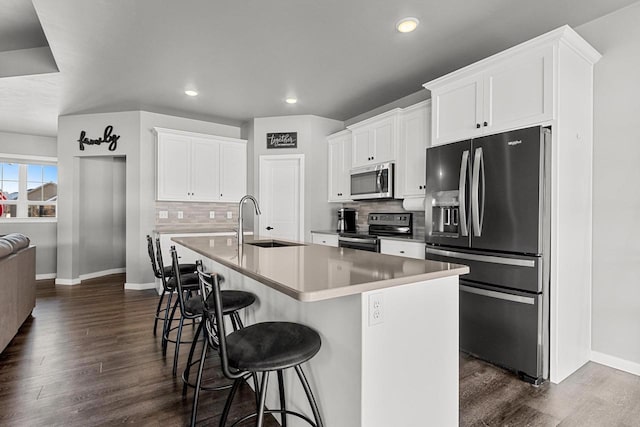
point(401, 252)
point(269, 228)
point(486, 124)
point(220, 194)
point(477, 125)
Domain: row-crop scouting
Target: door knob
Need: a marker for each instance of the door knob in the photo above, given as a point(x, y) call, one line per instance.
point(269, 228)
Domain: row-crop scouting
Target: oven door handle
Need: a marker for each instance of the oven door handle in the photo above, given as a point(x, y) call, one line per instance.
point(356, 240)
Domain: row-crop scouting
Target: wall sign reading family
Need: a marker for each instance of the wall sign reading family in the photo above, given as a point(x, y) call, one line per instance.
point(107, 138)
point(282, 140)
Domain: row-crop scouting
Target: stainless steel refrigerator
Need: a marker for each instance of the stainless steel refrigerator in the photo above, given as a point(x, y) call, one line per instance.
point(488, 207)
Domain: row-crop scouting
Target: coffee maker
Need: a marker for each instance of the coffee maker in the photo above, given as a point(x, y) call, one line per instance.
point(346, 220)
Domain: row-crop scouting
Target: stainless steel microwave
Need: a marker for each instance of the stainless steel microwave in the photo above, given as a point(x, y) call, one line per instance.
point(372, 182)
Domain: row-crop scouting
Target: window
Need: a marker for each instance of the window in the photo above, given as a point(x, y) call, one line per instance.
point(28, 190)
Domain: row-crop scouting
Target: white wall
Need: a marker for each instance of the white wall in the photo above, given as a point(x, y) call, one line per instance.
point(70, 209)
point(102, 215)
point(137, 145)
point(312, 132)
point(43, 235)
point(616, 179)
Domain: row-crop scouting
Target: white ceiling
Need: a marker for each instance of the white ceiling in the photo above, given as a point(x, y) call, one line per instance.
point(340, 58)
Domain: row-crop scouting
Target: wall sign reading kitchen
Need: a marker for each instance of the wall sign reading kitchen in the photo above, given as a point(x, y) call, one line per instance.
point(282, 140)
point(107, 138)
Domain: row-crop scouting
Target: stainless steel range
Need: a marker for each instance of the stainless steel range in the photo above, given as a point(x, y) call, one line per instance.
point(396, 224)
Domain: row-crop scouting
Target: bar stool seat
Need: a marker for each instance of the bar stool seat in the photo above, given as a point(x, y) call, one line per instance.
point(184, 269)
point(190, 282)
point(271, 346)
point(231, 301)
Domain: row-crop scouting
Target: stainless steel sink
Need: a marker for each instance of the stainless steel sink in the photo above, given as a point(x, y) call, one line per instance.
point(272, 243)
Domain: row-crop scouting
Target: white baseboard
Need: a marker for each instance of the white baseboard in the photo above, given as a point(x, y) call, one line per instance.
point(102, 273)
point(71, 282)
point(139, 286)
point(46, 276)
point(67, 282)
point(616, 362)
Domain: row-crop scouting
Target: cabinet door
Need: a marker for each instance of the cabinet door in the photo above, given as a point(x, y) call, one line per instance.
point(173, 167)
point(339, 167)
point(404, 249)
point(325, 239)
point(345, 172)
point(382, 136)
point(415, 127)
point(457, 111)
point(361, 148)
point(233, 171)
point(336, 163)
point(520, 92)
point(205, 176)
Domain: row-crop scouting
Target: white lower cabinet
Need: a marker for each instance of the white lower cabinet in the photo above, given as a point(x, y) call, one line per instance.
point(409, 249)
point(324, 239)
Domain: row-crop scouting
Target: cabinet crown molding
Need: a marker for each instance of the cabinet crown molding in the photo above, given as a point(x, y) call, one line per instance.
point(564, 34)
point(344, 132)
point(165, 131)
point(388, 114)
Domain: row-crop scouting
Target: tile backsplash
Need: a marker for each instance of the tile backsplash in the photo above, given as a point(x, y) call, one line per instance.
point(366, 207)
point(196, 215)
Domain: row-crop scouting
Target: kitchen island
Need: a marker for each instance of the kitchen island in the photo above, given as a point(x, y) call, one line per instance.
point(389, 326)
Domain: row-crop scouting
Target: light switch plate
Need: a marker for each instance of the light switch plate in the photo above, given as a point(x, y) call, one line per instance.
point(212, 214)
point(163, 214)
point(229, 215)
point(180, 215)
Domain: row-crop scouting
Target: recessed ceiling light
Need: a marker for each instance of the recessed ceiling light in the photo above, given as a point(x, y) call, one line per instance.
point(291, 100)
point(406, 25)
point(191, 92)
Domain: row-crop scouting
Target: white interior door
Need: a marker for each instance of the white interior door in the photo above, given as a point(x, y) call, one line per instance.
point(281, 197)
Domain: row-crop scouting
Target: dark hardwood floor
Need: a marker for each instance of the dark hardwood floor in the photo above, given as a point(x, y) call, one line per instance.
point(88, 357)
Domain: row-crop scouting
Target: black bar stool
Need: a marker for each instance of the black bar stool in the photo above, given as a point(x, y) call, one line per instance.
point(232, 302)
point(184, 268)
point(190, 284)
point(261, 348)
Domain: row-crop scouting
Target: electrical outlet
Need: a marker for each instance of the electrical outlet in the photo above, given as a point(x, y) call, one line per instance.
point(229, 215)
point(212, 214)
point(163, 214)
point(376, 309)
point(180, 215)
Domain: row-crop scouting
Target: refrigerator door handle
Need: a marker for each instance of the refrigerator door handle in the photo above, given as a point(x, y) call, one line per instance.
point(516, 262)
point(498, 295)
point(477, 215)
point(462, 193)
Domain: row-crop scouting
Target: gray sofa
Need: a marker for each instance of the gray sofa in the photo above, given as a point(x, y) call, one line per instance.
point(17, 284)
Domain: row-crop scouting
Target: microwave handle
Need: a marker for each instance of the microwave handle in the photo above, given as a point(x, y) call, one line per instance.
point(379, 181)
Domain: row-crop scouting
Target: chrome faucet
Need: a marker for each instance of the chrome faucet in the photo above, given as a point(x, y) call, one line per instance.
point(240, 216)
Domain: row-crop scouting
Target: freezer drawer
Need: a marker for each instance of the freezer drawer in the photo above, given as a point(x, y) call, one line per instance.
point(504, 328)
point(518, 272)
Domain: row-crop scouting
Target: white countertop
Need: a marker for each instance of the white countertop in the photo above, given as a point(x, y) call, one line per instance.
point(316, 272)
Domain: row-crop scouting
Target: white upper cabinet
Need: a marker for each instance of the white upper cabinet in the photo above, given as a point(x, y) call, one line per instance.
point(375, 139)
point(457, 110)
point(200, 168)
point(510, 90)
point(205, 179)
point(415, 124)
point(233, 171)
point(339, 166)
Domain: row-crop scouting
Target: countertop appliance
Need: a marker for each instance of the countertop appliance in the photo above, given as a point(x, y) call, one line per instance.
point(395, 224)
point(346, 220)
point(372, 182)
point(488, 208)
